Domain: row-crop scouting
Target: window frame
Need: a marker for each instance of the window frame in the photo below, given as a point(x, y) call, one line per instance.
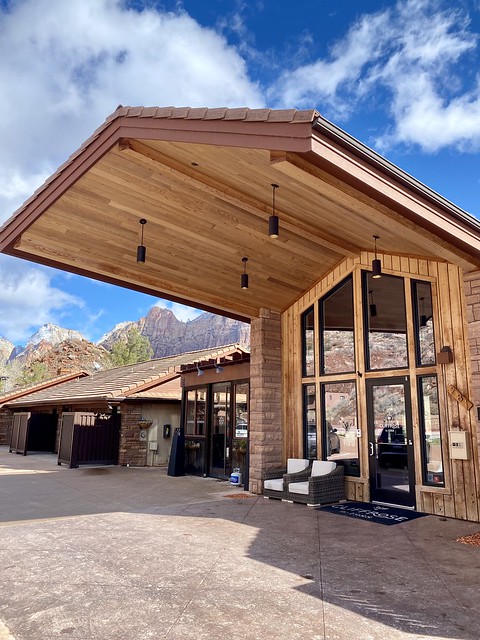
point(422, 432)
point(304, 343)
point(416, 324)
point(321, 302)
point(366, 324)
point(324, 428)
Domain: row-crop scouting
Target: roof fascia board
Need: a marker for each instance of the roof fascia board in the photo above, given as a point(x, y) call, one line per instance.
point(155, 381)
point(228, 133)
point(372, 158)
point(464, 228)
point(67, 400)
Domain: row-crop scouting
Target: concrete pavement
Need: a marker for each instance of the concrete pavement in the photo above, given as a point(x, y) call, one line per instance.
point(131, 554)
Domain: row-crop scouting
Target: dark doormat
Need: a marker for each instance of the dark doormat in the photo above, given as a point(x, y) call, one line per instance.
point(373, 512)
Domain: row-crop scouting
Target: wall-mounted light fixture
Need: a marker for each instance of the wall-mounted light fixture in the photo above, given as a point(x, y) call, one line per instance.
point(141, 249)
point(376, 263)
point(218, 368)
point(273, 222)
point(445, 355)
point(244, 278)
point(200, 372)
point(372, 306)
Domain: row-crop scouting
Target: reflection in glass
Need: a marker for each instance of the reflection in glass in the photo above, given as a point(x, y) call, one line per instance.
point(387, 326)
point(310, 421)
point(338, 344)
point(308, 337)
point(240, 427)
point(430, 430)
point(340, 425)
point(220, 421)
point(195, 412)
point(422, 304)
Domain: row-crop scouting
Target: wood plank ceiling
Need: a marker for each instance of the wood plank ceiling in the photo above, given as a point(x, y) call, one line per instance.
point(207, 206)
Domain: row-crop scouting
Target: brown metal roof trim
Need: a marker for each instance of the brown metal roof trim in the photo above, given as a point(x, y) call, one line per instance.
point(328, 129)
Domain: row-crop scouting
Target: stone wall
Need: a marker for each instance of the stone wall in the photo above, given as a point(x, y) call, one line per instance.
point(132, 450)
point(472, 298)
point(266, 444)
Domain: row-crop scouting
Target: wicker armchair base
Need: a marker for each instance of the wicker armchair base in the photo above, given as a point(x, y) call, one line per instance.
point(324, 489)
point(274, 474)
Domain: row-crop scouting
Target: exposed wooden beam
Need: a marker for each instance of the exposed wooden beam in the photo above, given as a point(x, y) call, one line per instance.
point(237, 198)
point(306, 173)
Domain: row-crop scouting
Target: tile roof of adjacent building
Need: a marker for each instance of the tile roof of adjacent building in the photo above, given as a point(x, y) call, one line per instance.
point(122, 382)
point(39, 386)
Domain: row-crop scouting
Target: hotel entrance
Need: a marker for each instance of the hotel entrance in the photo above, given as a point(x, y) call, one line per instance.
point(390, 442)
point(216, 428)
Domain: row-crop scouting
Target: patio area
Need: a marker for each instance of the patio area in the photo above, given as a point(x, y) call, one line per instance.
point(118, 553)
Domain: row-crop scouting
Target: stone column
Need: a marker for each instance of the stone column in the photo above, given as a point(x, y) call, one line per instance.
point(266, 449)
point(472, 299)
point(132, 451)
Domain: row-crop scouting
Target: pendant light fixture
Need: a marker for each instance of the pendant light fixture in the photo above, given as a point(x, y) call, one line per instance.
point(141, 249)
point(373, 306)
point(376, 263)
point(273, 222)
point(244, 278)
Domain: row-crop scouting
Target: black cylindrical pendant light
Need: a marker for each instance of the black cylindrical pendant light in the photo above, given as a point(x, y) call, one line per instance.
point(244, 278)
point(141, 249)
point(376, 263)
point(273, 222)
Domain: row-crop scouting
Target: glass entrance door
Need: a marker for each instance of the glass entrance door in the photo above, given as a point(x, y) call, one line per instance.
point(390, 441)
point(220, 435)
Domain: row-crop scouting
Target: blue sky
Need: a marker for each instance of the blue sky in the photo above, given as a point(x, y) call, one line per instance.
point(402, 77)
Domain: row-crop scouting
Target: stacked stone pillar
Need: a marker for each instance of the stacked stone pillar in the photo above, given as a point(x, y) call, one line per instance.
point(472, 298)
point(266, 448)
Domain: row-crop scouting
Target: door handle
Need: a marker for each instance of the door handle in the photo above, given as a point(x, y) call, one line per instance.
point(370, 444)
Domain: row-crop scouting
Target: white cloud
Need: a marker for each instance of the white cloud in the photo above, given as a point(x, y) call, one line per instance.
point(412, 61)
point(321, 81)
point(180, 311)
point(65, 66)
point(28, 300)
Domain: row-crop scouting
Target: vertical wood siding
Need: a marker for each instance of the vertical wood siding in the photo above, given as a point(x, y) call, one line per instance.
point(460, 498)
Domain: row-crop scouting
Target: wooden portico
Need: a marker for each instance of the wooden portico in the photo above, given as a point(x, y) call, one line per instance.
point(202, 179)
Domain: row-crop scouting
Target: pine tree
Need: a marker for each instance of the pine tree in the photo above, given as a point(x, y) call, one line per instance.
point(136, 348)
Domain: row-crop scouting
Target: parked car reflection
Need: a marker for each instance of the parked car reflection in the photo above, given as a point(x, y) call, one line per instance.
point(392, 447)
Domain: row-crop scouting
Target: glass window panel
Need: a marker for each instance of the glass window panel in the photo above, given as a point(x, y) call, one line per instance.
point(430, 432)
point(200, 412)
point(241, 410)
point(240, 435)
point(308, 337)
point(338, 343)
point(310, 421)
point(423, 310)
point(190, 413)
point(386, 324)
point(340, 435)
